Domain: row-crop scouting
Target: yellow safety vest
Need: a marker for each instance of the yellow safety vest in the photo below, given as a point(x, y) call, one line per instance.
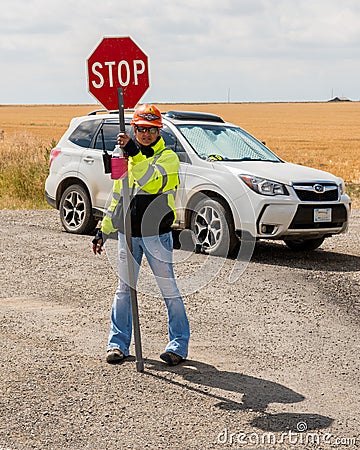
point(155, 177)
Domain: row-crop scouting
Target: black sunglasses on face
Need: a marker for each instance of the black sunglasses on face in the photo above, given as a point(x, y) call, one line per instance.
point(151, 130)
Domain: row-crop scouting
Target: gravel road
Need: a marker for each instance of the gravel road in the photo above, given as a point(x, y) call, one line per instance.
point(273, 363)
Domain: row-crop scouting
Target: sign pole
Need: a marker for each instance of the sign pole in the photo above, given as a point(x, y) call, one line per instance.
point(129, 250)
point(119, 63)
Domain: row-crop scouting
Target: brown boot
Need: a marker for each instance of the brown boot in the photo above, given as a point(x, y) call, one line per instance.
point(114, 356)
point(171, 358)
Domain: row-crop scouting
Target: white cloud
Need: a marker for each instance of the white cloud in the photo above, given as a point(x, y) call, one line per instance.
point(260, 49)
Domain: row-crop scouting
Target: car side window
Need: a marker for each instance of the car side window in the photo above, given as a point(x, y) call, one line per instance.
point(106, 138)
point(173, 143)
point(84, 133)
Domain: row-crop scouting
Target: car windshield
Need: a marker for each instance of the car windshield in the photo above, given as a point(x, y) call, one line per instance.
point(229, 143)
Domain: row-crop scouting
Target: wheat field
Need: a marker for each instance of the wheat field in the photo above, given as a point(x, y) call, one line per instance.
point(321, 135)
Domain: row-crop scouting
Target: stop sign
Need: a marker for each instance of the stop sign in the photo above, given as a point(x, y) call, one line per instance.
point(117, 63)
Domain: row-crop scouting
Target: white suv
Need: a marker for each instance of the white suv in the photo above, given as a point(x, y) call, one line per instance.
point(232, 186)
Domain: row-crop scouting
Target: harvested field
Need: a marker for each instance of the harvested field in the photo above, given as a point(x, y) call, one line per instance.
point(321, 135)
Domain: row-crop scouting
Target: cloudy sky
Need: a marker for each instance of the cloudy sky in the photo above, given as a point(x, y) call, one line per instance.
point(199, 50)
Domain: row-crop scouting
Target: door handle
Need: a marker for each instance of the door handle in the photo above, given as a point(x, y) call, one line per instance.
point(89, 160)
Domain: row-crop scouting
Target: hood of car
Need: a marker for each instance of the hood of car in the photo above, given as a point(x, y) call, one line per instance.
point(285, 173)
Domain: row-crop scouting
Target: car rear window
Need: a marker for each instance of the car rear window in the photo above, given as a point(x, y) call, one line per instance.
point(84, 133)
point(106, 138)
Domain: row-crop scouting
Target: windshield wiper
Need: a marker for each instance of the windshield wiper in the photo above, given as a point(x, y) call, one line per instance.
point(246, 158)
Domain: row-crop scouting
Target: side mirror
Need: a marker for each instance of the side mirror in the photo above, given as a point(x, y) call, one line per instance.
point(183, 157)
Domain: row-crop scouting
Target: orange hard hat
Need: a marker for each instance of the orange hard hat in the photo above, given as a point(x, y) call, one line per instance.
point(147, 115)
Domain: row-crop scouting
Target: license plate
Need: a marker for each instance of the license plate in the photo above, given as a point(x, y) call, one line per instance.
point(322, 215)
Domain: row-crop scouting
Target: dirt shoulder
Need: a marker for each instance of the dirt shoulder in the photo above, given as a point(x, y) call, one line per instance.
point(273, 363)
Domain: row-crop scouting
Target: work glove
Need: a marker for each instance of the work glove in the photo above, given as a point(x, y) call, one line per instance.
point(131, 149)
point(97, 242)
point(127, 144)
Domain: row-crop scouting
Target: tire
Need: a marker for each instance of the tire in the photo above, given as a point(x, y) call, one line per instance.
point(304, 244)
point(213, 228)
point(75, 210)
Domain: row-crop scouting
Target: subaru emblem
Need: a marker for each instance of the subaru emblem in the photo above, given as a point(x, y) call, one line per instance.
point(319, 188)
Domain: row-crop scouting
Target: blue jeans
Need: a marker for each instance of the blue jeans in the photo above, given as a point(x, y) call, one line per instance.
point(158, 251)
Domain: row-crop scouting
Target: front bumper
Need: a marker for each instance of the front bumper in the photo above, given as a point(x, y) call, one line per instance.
point(283, 217)
point(284, 221)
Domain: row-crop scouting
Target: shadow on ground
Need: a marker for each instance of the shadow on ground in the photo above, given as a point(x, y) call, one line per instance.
point(257, 394)
point(279, 255)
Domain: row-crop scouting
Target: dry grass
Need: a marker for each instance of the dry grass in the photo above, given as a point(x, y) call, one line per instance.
point(23, 169)
point(321, 135)
point(29, 133)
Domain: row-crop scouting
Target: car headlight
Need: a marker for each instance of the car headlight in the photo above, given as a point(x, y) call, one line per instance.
point(263, 186)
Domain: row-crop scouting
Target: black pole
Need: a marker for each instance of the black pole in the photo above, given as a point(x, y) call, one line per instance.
point(129, 250)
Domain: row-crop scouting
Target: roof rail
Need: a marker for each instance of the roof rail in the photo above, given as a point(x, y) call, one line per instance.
point(190, 115)
point(112, 111)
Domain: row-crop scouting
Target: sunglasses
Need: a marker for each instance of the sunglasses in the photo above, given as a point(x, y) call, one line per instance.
point(151, 130)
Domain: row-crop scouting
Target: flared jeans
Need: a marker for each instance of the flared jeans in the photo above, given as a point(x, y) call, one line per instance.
point(158, 250)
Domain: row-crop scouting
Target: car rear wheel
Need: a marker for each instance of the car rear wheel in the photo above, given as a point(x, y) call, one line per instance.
point(75, 210)
point(304, 244)
point(213, 229)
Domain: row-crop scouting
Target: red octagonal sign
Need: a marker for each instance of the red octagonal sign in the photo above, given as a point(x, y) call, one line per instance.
point(118, 63)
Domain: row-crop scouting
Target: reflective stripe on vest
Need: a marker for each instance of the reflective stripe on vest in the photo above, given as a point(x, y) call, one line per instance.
point(164, 176)
point(150, 171)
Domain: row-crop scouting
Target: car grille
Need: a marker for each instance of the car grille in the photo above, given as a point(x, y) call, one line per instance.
point(317, 192)
point(304, 217)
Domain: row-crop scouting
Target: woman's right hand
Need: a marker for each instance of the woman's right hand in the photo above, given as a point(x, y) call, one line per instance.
point(123, 139)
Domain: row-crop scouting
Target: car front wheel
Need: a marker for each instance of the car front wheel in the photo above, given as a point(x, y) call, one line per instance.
point(75, 210)
point(213, 228)
point(304, 244)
